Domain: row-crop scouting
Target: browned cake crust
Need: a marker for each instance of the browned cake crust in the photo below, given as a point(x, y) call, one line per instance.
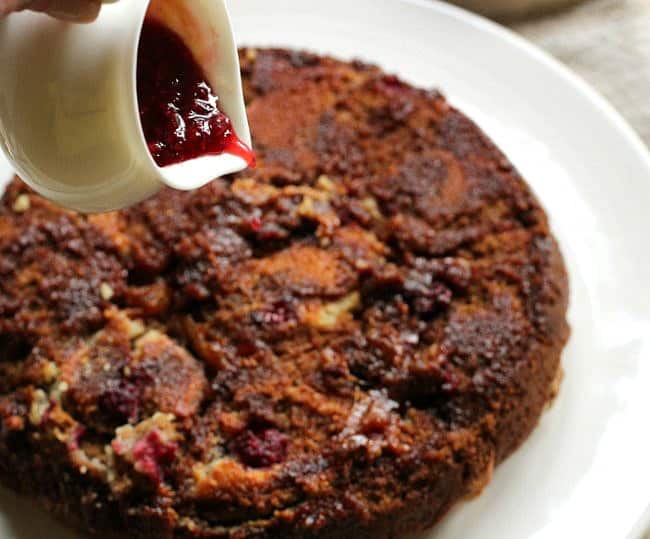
point(340, 343)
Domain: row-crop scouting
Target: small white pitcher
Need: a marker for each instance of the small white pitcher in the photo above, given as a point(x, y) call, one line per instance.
point(69, 117)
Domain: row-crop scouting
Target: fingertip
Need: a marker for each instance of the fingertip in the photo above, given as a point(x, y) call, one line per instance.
point(81, 11)
point(9, 6)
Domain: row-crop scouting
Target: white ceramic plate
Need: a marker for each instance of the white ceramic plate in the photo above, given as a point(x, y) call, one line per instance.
point(585, 472)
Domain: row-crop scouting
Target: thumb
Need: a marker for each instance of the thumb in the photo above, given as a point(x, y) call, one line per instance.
point(7, 6)
point(68, 10)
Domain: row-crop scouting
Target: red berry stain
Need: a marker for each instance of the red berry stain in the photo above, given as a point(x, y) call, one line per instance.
point(151, 453)
point(261, 449)
point(75, 437)
point(256, 224)
point(178, 108)
point(451, 381)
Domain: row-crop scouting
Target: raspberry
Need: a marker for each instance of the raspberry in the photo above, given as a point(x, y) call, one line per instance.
point(262, 449)
point(152, 453)
point(121, 401)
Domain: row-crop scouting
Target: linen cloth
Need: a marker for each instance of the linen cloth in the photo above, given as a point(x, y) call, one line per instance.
point(607, 42)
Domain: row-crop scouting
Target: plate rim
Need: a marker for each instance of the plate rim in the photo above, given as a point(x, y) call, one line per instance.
point(581, 86)
point(516, 40)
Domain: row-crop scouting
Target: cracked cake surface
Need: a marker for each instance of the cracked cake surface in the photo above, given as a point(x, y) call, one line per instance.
point(339, 343)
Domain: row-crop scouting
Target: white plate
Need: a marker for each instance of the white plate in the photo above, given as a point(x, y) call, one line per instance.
point(585, 472)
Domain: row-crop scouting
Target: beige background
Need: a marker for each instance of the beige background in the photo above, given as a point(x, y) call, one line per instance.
point(607, 42)
point(513, 8)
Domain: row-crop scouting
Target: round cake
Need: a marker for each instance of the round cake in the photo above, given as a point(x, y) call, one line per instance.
point(340, 343)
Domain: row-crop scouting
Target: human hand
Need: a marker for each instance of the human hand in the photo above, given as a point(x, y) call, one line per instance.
point(69, 10)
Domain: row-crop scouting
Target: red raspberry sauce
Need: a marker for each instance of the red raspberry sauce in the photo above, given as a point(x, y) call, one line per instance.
point(178, 108)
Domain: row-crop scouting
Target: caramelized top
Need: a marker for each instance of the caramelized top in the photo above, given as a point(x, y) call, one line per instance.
point(330, 338)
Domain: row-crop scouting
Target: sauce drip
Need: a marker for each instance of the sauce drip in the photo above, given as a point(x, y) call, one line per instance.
point(178, 107)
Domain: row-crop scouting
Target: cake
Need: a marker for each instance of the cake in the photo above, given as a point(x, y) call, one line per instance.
point(340, 343)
